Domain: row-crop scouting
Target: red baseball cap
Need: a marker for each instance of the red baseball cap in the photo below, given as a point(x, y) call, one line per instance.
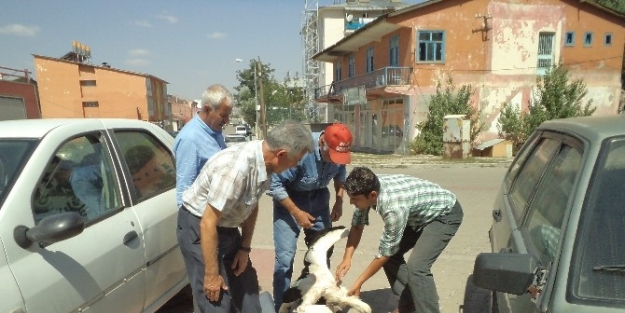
point(339, 140)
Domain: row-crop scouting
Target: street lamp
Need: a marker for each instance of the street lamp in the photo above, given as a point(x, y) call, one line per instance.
point(257, 106)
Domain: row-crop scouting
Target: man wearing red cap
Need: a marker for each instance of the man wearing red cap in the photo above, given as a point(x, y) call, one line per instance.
point(301, 199)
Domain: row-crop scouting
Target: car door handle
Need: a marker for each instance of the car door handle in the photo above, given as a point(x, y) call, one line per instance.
point(497, 215)
point(130, 236)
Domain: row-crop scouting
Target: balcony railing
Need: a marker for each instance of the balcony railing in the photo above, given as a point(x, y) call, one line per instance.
point(387, 76)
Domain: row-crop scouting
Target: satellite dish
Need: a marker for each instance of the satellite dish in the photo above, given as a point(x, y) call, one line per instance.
point(349, 17)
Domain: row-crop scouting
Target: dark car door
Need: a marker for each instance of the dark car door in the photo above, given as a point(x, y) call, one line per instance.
point(535, 205)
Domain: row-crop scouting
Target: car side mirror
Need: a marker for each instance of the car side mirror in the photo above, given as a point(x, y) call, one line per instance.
point(50, 229)
point(505, 272)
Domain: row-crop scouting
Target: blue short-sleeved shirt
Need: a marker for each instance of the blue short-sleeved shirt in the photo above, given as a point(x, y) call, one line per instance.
point(194, 145)
point(310, 174)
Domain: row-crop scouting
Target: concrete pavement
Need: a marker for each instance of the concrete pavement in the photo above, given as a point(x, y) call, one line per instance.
point(475, 185)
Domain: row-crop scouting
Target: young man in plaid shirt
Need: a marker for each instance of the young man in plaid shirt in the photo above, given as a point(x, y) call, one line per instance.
point(418, 215)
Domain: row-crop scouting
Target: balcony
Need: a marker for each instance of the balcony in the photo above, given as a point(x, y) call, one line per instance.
point(384, 77)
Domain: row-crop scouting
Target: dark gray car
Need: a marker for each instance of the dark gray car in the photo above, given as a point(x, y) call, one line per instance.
point(558, 234)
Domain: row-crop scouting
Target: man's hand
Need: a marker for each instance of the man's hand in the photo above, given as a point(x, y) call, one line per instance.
point(342, 269)
point(354, 290)
point(304, 219)
point(213, 283)
point(337, 211)
point(240, 262)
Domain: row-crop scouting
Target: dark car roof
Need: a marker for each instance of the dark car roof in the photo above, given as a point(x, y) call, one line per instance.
point(592, 128)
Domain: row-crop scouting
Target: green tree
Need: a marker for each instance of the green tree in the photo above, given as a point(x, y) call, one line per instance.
point(280, 102)
point(445, 102)
point(555, 98)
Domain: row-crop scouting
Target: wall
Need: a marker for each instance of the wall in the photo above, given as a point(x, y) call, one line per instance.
point(26, 92)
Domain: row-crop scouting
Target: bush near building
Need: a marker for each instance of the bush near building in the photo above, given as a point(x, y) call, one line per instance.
point(555, 98)
point(446, 101)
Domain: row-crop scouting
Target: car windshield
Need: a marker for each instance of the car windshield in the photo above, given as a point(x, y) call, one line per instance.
point(599, 269)
point(235, 139)
point(14, 153)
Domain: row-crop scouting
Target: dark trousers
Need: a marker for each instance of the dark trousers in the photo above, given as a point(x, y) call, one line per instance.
point(413, 279)
point(242, 294)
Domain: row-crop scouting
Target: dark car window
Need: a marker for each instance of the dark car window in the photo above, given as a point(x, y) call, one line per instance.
point(530, 175)
point(81, 178)
point(14, 154)
point(150, 163)
point(547, 210)
point(599, 260)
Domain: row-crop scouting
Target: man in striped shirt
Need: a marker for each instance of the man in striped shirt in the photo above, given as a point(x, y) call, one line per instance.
point(417, 215)
point(223, 198)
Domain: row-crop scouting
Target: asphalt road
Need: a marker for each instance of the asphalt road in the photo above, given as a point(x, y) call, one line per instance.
point(475, 186)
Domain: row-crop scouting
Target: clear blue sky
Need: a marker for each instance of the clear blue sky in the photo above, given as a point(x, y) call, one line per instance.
point(191, 44)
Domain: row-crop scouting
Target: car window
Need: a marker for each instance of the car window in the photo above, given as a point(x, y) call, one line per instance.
point(520, 160)
point(149, 162)
point(530, 174)
point(13, 155)
point(79, 178)
point(599, 259)
point(235, 139)
point(547, 210)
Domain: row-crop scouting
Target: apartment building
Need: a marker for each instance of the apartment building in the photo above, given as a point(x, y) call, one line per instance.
point(336, 21)
point(70, 87)
point(386, 72)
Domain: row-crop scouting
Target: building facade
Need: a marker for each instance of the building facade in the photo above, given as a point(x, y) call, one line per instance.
point(18, 95)
point(339, 20)
point(499, 47)
point(74, 89)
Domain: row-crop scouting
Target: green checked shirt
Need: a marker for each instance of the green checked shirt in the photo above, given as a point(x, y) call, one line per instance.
point(405, 201)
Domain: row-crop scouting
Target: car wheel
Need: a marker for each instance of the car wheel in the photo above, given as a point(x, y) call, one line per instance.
point(476, 299)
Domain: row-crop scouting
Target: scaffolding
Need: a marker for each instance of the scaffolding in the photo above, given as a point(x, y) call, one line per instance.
point(312, 68)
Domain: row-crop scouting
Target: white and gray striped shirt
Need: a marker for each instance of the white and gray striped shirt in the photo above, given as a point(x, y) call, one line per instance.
point(231, 181)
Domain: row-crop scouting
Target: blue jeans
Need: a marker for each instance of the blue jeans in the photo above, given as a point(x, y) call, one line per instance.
point(413, 280)
point(243, 290)
point(286, 233)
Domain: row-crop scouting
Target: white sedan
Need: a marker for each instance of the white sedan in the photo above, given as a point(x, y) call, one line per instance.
point(87, 216)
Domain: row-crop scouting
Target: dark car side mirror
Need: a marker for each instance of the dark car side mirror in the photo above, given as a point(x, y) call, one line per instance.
point(505, 272)
point(51, 229)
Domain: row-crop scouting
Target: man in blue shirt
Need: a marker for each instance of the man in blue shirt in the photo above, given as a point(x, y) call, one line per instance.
point(301, 199)
point(197, 142)
point(201, 137)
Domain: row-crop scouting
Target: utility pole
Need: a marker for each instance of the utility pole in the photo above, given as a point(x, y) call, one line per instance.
point(256, 105)
point(263, 122)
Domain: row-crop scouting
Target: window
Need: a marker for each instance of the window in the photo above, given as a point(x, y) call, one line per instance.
point(149, 162)
point(547, 211)
point(87, 83)
point(588, 39)
point(369, 60)
point(608, 39)
point(79, 178)
point(569, 39)
point(431, 46)
point(90, 104)
point(393, 51)
point(351, 71)
point(599, 242)
point(530, 174)
point(545, 52)
point(337, 71)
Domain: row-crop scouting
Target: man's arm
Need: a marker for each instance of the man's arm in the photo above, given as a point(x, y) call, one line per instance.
point(247, 232)
point(278, 192)
point(186, 166)
point(373, 268)
point(355, 233)
point(213, 282)
point(337, 208)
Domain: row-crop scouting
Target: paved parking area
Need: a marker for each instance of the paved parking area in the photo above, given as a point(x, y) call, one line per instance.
point(475, 186)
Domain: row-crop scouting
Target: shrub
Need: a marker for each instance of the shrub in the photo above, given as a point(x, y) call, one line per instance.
point(555, 98)
point(445, 102)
